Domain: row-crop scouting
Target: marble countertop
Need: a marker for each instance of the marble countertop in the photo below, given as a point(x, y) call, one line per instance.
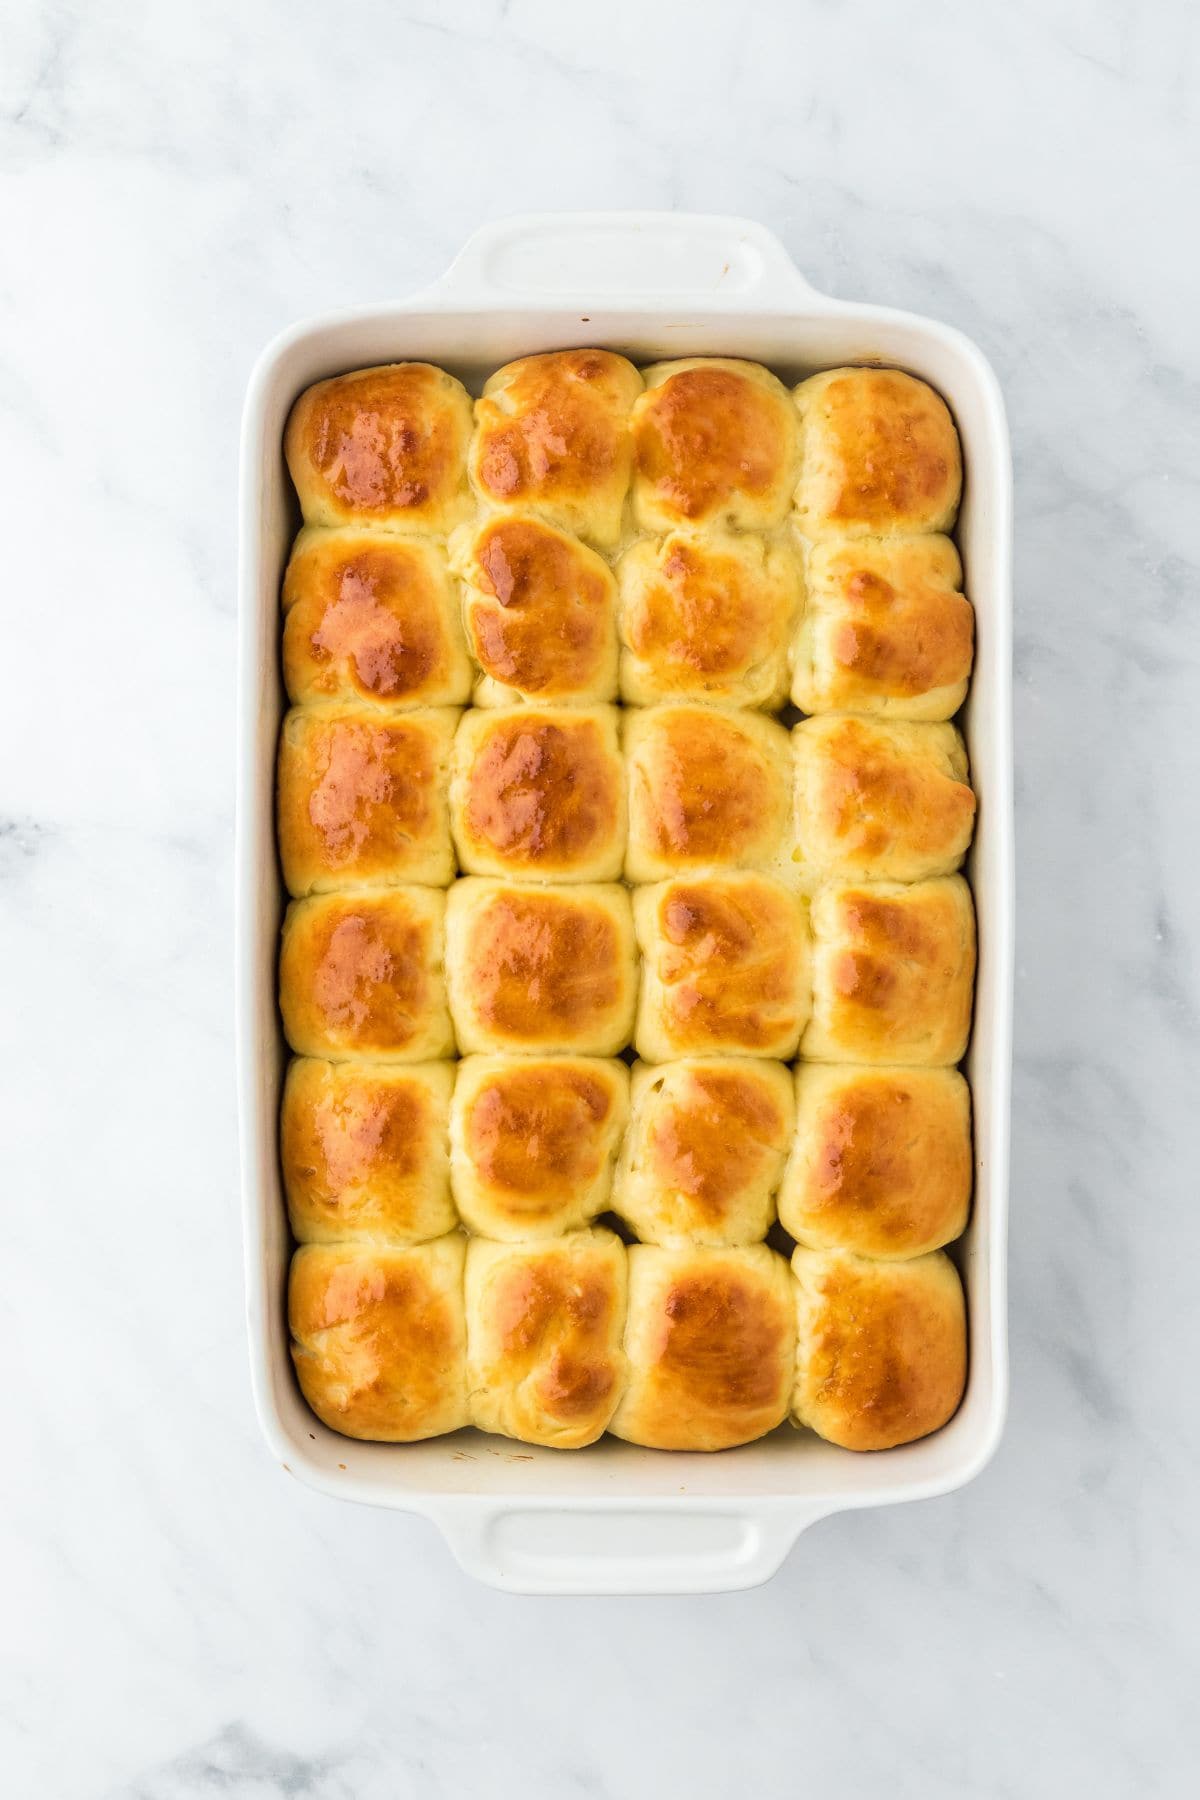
point(177, 183)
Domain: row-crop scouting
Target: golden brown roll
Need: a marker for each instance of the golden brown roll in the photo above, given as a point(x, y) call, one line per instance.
point(704, 1150)
point(533, 1140)
point(881, 1161)
point(379, 1338)
point(884, 629)
point(711, 1340)
point(364, 1151)
point(384, 447)
point(893, 971)
point(707, 790)
point(363, 975)
point(715, 443)
point(544, 1328)
point(882, 1353)
point(362, 798)
point(372, 617)
point(725, 969)
point(707, 617)
point(538, 793)
point(880, 800)
point(541, 969)
point(879, 454)
point(540, 611)
point(552, 436)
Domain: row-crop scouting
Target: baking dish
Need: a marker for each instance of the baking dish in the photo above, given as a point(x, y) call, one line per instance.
point(616, 1519)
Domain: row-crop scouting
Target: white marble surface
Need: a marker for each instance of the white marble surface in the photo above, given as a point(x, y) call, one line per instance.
point(178, 1619)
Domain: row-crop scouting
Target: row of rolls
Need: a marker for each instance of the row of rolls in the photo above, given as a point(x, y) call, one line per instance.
point(734, 963)
point(546, 880)
point(556, 1341)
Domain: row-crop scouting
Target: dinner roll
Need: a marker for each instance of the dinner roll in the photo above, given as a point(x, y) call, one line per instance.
point(379, 1339)
point(880, 800)
point(893, 970)
point(707, 790)
point(540, 611)
point(882, 1353)
point(533, 1140)
point(881, 1160)
point(362, 798)
point(704, 1150)
point(725, 967)
point(364, 1152)
point(538, 792)
point(711, 1339)
point(541, 969)
point(371, 617)
point(715, 443)
point(552, 436)
point(384, 447)
point(544, 1327)
point(707, 618)
point(884, 629)
point(879, 454)
point(362, 975)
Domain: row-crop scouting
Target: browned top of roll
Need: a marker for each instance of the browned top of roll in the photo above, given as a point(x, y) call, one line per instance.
point(880, 453)
point(361, 973)
point(541, 966)
point(882, 1347)
point(715, 1134)
point(539, 609)
point(554, 428)
point(370, 617)
point(905, 628)
point(536, 1128)
point(543, 790)
point(710, 433)
point(386, 444)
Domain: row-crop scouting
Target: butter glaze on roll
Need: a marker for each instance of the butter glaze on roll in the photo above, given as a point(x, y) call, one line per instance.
point(725, 967)
point(538, 793)
point(715, 444)
point(533, 1140)
point(893, 971)
point(711, 1340)
point(880, 800)
point(364, 1153)
point(881, 1160)
point(362, 798)
point(552, 436)
point(363, 975)
point(379, 1338)
point(540, 612)
point(384, 446)
point(708, 789)
point(541, 969)
point(544, 1329)
point(707, 617)
point(885, 629)
point(705, 1150)
point(880, 455)
point(372, 618)
point(882, 1347)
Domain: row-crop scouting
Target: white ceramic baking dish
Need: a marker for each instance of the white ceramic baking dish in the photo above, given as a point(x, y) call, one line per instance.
point(616, 1519)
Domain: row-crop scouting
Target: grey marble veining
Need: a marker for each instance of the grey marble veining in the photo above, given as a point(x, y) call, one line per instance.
point(177, 182)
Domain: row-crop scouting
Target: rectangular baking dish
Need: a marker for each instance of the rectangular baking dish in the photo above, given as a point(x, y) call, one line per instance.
point(614, 1518)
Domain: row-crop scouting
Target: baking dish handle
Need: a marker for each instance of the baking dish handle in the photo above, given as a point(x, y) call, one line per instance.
point(658, 260)
point(620, 1549)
